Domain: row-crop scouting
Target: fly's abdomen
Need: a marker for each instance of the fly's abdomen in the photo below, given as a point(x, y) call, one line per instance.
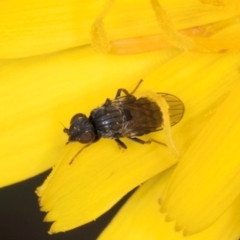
point(108, 121)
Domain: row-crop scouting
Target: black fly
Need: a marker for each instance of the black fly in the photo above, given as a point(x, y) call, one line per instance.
point(124, 117)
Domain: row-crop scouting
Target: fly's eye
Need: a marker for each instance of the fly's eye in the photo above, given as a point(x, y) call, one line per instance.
point(87, 137)
point(76, 117)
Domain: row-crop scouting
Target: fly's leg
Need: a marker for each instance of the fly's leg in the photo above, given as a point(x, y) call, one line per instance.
point(120, 90)
point(135, 89)
point(79, 153)
point(146, 142)
point(120, 143)
point(107, 103)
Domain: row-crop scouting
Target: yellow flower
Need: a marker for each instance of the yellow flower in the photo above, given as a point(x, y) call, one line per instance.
point(50, 71)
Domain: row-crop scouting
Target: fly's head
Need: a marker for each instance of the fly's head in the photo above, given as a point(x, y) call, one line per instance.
point(80, 130)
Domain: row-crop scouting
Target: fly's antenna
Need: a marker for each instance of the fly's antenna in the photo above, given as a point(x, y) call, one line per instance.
point(79, 153)
point(62, 124)
point(135, 89)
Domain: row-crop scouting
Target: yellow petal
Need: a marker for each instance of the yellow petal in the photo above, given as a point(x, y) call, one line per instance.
point(207, 179)
point(31, 28)
point(39, 93)
point(92, 185)
point(102, 174)
point(166, 35)
point(221, 36)
point(221, 2)
point(141, 219)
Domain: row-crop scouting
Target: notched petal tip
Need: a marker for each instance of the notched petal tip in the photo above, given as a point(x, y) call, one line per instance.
point(49, 218)
point(50, 232)
point(186, 233)
point(168, 218)
point(178, 227)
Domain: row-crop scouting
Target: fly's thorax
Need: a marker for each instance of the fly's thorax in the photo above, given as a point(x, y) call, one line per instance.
point(107, 120)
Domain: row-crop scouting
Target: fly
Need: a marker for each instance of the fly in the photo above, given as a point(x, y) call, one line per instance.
point(124, 117)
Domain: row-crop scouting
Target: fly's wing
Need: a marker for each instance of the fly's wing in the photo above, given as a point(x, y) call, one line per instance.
point(176, 108)
point(144, 115)
point(141, 116)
